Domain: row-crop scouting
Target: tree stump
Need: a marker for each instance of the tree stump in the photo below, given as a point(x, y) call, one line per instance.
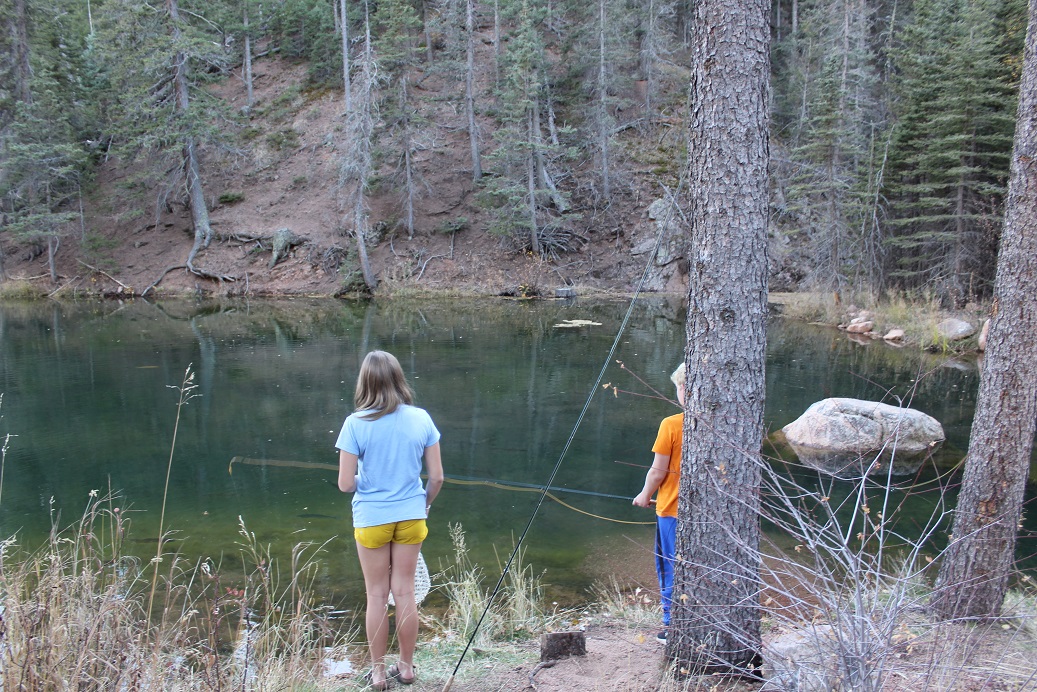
point(555, 645)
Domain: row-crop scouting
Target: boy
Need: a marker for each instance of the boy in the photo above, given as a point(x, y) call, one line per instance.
point(664, 476)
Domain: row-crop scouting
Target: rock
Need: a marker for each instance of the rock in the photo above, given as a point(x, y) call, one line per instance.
point(800, 660)
point(982, 345)
point(953, 329)
point(667, 219)
point(856, 327)
point(843, 436)
point(894, 335)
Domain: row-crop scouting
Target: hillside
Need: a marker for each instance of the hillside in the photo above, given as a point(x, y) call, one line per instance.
point(279, 170)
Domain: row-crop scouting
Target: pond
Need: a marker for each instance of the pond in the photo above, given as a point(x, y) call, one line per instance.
point(89, 400)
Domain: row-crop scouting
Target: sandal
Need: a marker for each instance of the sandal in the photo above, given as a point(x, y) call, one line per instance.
point(394, 673)
point(369, 681)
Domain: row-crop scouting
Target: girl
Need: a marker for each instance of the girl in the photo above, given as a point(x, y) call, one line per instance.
point(381, 448)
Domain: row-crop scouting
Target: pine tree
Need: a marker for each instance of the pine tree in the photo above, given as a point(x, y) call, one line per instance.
point(950, 150)
point(832, 109)
point(44, 115)
point(527, 202)
point(396, 23)
point(154, 60)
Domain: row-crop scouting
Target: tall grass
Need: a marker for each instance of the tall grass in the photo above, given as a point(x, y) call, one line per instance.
point(74, 614)
point(517, 610)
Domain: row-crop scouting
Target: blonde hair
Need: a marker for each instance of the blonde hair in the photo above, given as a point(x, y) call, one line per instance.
point(381, 387)
point(678, 376)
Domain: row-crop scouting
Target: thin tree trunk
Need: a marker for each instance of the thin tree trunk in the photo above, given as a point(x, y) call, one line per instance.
point(974, 570)
point(496, 51)
point(715, 621)
point(347, 87)
point(53, 243)
point(362, 134)
point(534, 232)
point(407, 165)
point(469, 90)
point(249, 99)
point(20, 58)
point(428, 34)
point(603, 136)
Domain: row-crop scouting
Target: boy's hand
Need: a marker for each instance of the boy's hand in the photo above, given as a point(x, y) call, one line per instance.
point(643, 500)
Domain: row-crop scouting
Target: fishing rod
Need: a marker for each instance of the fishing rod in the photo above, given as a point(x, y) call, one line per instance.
point(458, 480)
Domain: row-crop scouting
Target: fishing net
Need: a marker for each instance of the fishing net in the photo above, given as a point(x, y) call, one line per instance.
point(422, 582)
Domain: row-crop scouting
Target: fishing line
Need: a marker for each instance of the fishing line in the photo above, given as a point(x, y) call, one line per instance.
point(565, 448)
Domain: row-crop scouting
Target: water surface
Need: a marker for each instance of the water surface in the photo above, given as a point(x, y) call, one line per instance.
point(90, 401)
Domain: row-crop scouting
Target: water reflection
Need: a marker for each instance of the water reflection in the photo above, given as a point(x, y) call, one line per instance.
point(87, 393)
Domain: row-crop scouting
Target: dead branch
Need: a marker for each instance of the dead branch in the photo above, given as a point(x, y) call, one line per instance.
point(99, 271)
point(425, 264)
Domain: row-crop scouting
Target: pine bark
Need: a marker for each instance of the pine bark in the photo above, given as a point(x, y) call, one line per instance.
point(975, 568)
point(716, 613)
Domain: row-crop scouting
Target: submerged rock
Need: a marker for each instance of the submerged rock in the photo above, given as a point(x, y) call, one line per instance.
point(845, 437)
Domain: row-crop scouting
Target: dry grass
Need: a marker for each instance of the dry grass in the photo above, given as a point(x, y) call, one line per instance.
point(74, 615)
point(917, 314)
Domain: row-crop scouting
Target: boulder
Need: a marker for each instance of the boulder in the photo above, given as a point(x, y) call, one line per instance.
point(953, 329)
point(862, 327)
point(894, 335)
point(801, 660)
point(847, 437)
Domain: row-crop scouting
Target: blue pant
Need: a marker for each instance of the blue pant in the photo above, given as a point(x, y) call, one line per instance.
point(665, 549)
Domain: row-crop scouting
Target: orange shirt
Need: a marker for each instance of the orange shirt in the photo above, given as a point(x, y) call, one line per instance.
point(668, 443)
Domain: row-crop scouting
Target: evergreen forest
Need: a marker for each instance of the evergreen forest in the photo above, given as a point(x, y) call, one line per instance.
point(892, 122)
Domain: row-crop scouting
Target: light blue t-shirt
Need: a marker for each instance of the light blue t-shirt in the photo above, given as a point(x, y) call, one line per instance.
point(391, 451)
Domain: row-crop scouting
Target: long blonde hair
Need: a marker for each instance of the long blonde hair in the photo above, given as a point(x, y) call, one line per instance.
point(381, 386)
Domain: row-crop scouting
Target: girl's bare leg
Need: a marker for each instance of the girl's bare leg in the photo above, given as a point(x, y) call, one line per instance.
point(375, 564)
point(404, 563)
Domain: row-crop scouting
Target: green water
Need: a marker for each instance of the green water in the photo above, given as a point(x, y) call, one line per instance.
point(88, 401)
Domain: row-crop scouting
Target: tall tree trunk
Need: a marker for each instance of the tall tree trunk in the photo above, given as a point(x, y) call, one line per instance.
point(469, 90)
point(496, 51)
point(199, 209)
point(715, 622)
point(407, 163)
point(20, 48)
point(975, 568)
point(347, 87)
point(426, 27)
point(362, 131)
point(603, 115)
point(249, 99)
point(531, 186)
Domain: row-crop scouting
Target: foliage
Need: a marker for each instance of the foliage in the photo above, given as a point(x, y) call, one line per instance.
point(949, 161)
point(305, 30)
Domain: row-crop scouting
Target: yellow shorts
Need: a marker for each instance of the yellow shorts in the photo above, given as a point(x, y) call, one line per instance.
point(409, 532)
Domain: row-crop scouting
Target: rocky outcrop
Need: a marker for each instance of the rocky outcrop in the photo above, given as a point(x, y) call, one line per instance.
point(848, 437)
